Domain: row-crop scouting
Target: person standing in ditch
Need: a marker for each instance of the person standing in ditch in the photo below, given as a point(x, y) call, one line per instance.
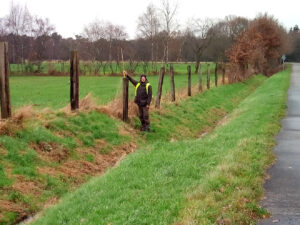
point(143, 97)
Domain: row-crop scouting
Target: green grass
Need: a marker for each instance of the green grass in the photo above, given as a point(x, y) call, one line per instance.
point(190, 181)
point(76, 131)
point(4, 181)
point(89, 127)
point(199, 113)
point(67, 134)
point(54, 92)
point(231, 192)
point(84, 129)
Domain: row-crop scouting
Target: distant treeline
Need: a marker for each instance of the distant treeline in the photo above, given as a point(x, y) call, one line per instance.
point(158, 38)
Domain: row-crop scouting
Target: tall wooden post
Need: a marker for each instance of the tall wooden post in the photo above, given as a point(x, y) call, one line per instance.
point(4, 81)
point(200, 78)
point(172, 84)
point(74, 80)
point(216, 75)
point(159, 89)
point(223, 73)
point(125, 99)
point(189, 81)
point(208, 76)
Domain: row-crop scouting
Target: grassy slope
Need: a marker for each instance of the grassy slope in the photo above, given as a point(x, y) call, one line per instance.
point(198, 181)
point(50, 143)
point(199, 113)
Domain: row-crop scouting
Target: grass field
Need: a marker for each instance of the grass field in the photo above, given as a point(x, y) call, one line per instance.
point(53, 91)
point(216, 179)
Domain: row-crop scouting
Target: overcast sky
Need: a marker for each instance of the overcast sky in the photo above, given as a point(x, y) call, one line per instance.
point(70, 16)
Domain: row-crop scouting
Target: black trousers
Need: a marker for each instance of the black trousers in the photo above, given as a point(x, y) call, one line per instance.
point(144, 116)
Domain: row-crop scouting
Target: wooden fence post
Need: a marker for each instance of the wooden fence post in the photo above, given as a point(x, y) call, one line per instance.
point(74, 80)
point(200, 78)
point(208, 76)
point(189, 81)
point(125, 99)
point(4, 81)
point(172, 84)
point(216, 75)
point(223, 73)
point(159, 89)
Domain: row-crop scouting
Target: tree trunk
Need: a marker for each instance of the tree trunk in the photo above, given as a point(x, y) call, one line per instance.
point(197, 63)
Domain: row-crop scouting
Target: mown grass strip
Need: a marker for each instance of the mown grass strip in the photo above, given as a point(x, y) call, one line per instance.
point(230, 193)
point(159, 184)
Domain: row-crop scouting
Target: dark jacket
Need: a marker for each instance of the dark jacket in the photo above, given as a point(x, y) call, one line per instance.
point(142, 98)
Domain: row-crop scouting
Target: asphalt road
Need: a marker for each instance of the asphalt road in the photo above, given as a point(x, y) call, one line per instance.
point(282, 198)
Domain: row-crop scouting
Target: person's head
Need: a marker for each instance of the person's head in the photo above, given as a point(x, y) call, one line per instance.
point(143, 78)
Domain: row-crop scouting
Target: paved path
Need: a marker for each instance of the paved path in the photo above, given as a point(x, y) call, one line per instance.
point(283, 188)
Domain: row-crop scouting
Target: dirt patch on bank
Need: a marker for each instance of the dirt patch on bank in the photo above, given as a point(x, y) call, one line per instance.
point(27, 187)
point(78, 169)
point(53, 152)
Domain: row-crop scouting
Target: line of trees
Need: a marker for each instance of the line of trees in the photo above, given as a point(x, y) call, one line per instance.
point(159, 38)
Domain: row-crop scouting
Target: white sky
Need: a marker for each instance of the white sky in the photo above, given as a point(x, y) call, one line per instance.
point(70, 16)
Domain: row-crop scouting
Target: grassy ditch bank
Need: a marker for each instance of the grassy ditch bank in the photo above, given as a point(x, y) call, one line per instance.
point(216, 179)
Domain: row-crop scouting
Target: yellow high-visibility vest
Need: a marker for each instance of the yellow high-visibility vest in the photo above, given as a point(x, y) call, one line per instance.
point(137, 86)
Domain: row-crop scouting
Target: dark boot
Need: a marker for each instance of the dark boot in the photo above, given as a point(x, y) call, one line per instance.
point(147, 128)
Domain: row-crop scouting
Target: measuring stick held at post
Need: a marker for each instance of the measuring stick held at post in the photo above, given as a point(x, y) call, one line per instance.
point(74, 80)
point(4, 81)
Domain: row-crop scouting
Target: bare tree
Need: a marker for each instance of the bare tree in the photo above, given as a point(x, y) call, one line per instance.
point(114, 33)
point(236, 25)
point(170, 24)
point(94, 31)
point(18, 22)
point(41, 27)
point(200, 34)
point(148, 26)
point(97, 31)
point(3, 30)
